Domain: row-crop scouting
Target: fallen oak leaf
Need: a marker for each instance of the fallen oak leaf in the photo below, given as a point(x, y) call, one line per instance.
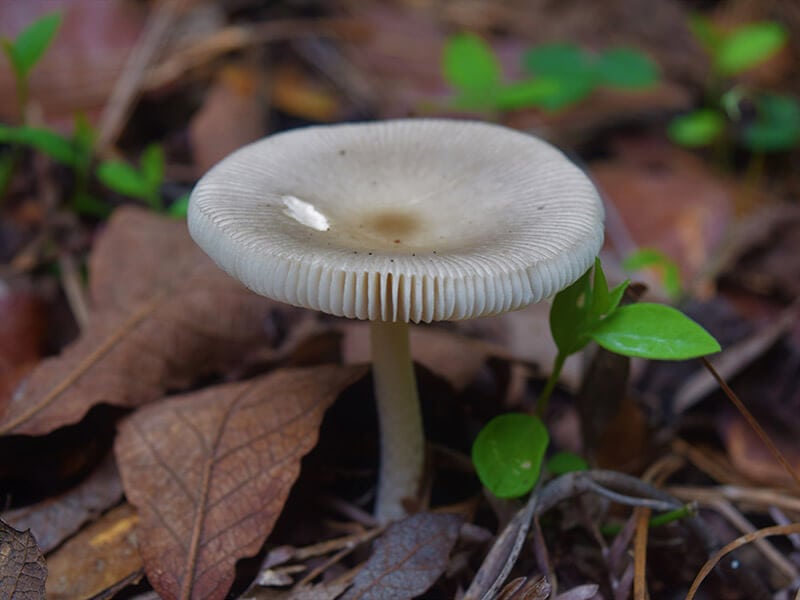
point(210, 471)
point(22, 567)
point(408, 559)
point(163, 315)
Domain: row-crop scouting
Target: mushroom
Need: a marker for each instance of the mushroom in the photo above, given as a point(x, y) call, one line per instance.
point(410, 220)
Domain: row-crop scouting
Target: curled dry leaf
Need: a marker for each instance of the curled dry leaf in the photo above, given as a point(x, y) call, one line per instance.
point(98, 558)
point(163, 314)
point(55, 519)
point(210, 471)
point(407, 559)
point(22, 567)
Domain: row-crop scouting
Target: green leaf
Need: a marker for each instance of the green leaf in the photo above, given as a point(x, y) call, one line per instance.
point(565, 462)
point(626, 68)
point(32, 42)
point(568, 316)
point(698, 128)
point(558, 61)
point(45, 141)
point(7, 164)
point(777, 127)
point(749, 46)
point(180, 207)
point(469, 64)
point(523, 94)
point(650, 257)
point(85, 204)
point(152, 165)
point(508, 454)
point(706, 32)
point(654, 331)
point(124, 179)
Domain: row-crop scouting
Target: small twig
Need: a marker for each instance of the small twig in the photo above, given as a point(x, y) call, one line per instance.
point(347, 549)
point(738, 520)
point(734, 358)
point(738, 542)
point(238, 37)
point(129, 85)
point(642, 516)
point(752, 422)
point(73, 289)
point(762, 497)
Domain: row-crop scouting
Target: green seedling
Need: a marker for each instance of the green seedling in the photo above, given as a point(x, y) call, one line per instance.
point(574, 73)
point(143, 183)
point(27, 49)
point(736, 51)
point(560, 75)
point(776, 126)
point(584, 312)
point(666, 267)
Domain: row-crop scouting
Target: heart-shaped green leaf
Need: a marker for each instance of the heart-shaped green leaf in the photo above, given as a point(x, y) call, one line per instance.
point(508, 454)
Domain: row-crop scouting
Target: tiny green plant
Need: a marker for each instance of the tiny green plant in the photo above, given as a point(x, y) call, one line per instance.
point(584, 312)
point(668, 270)
point(143, 183)
point(27, 49)
point(558, 74)
point(775, 126)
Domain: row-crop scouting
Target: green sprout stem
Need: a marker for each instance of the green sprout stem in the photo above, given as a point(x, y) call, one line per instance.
point(663, 519)
point(543, 400)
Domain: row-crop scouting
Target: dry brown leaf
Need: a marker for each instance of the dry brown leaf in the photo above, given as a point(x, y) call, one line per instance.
point(55, 519)
point(22, 567)
point(163, 314)
point(210, 472)
point(233, 114)
point(98, 558)
point(669, 200)
point(751, 457)
point(407, 559)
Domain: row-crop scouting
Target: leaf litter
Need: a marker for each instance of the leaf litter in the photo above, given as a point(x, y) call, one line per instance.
point(156, 325)
point(163, 320)
point(210, 471)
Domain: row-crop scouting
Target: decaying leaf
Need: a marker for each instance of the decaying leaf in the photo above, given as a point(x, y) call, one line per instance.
point(22, 567)
point(234, 114)
point(407, 559)
point(210, 471)
point(54, 519)
point(163, 314)
point(98, 558)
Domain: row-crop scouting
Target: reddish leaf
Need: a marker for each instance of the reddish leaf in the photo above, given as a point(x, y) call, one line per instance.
point(407, 559)
point(163, 314)
point(210, 472)
point(22, 568)
point(100, 557)
point(55, 519)
point(22, 325)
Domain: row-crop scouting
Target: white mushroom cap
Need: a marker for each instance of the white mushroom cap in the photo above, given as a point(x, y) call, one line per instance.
point(405, 220)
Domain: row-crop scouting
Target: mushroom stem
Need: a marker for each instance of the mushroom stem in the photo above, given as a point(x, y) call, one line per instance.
point(402, 436)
